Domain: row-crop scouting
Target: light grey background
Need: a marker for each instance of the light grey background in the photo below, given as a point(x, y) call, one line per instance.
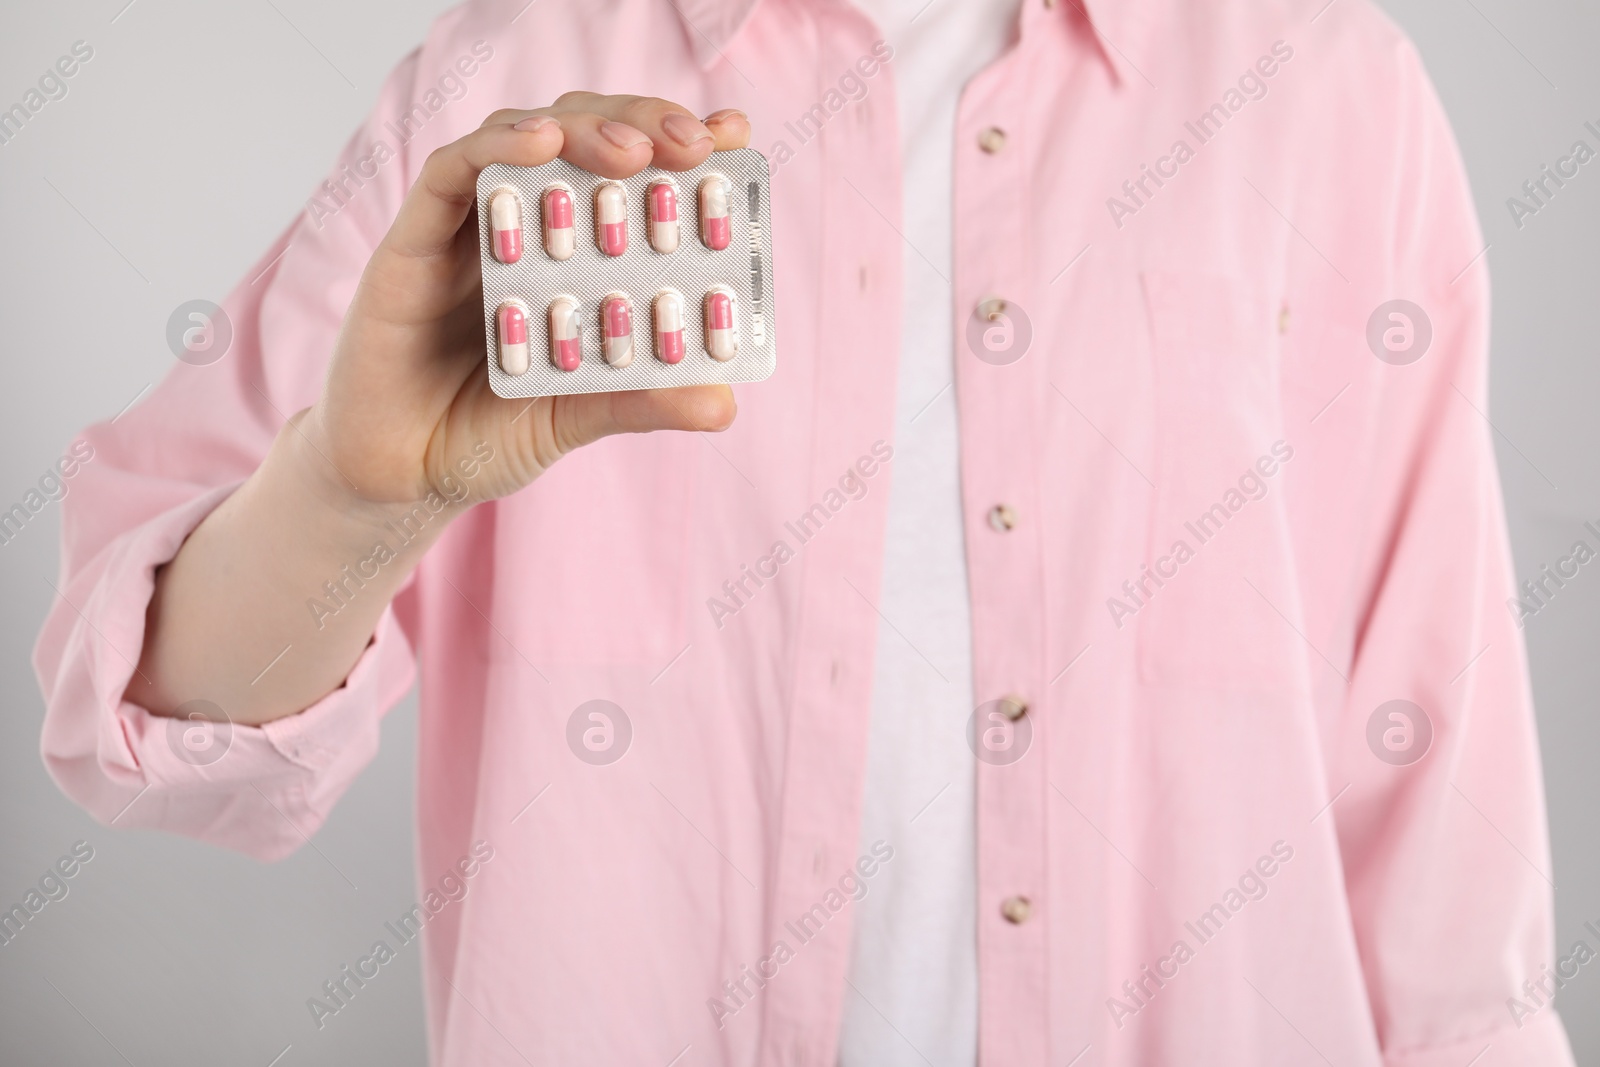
point(190, 140)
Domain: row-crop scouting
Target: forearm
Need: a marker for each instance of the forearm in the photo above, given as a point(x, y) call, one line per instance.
point(273, 598)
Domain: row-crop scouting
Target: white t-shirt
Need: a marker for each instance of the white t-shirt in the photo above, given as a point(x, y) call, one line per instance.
point(912, 996)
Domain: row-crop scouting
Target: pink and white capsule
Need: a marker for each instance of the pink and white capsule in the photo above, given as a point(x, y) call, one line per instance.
point(663, 202)
point(566, 347)
point(611, 219)
point(668, 308)
point(722, 331)
point(511, 324)
point(505, 225)
point(559, 237)
point(716, 228)
point(616, 329)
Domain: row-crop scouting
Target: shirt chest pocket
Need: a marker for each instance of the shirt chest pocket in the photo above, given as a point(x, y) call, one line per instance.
point(590, 559)
point(1216, 604)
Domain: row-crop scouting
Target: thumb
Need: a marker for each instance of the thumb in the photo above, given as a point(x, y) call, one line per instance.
point(582, 418)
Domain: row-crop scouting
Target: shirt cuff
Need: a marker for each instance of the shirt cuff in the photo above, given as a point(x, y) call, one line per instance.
point(261, 790)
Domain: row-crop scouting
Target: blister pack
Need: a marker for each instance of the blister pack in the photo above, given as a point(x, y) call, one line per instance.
point(594, 285)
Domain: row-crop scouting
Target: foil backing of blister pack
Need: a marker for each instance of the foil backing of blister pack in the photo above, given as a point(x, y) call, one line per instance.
point(590, 275)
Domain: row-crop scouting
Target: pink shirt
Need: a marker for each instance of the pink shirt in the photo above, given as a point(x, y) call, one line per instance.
point(1192, 214)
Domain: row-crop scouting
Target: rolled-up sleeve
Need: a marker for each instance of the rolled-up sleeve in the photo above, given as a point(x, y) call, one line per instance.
point(1444, 842)
point(152, 475)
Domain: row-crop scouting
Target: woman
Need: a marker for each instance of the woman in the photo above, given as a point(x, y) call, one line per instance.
point(1163, 711)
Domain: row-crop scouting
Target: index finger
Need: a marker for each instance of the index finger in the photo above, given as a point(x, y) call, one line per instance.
point(447, 188)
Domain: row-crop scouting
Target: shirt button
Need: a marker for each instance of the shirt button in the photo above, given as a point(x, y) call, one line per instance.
point(992, 309)
point(1013, 707)
point(1016, 910)
point(992, 140)
point(1002, 517)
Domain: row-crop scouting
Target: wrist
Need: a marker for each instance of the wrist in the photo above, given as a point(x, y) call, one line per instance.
point(298, 474)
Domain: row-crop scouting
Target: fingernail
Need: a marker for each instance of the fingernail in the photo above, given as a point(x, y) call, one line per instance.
point(725, 114)
point(685, 130)
point(622, 136)
point(535, 123)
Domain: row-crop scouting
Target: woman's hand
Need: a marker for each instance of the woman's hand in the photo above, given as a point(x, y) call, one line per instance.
point(407, 395)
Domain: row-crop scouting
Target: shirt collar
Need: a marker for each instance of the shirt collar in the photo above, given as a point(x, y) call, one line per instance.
point(712, 25)
point(1116, 24)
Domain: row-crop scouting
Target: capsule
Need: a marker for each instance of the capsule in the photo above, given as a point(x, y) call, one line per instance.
point(663, 199)
point(511, 324)
point(559, 238)
point(716, 229)
point(505, 225)
point(616, 329)
point(566, 347)
point(722, 331)
point(611, 219)
point(668, 308)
